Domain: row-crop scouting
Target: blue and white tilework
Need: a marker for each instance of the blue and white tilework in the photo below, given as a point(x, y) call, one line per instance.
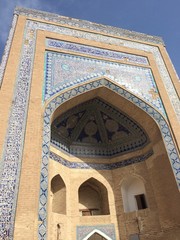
point(100, 166)
point(111, 40)
point(165, 77)
point(108, 230)
point(65, 70)
point(13, 147)
point(82, 24)
point(98, 52)
point(108, 39)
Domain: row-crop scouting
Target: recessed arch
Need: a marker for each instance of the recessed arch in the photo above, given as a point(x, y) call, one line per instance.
point(58, 189)
point(134, 175)
point(97, 84)
point(133, 193)
point(93, 198)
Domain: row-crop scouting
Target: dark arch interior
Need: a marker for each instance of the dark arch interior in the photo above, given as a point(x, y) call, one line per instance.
point(96, 128)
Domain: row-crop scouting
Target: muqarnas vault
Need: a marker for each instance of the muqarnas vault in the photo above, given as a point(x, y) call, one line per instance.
point(89, 133)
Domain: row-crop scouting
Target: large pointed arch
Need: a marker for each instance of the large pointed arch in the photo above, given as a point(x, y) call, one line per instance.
point(63, 97)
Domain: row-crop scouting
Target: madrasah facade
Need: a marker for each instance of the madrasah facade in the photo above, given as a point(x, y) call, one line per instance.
point(90, 135)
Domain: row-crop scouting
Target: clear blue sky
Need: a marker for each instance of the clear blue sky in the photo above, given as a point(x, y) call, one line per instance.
point(153, 17)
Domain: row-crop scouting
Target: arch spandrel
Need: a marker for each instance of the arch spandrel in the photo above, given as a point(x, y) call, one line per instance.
point(64, 71)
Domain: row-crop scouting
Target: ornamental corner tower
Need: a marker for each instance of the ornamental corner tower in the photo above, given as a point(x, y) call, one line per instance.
point(90, 134)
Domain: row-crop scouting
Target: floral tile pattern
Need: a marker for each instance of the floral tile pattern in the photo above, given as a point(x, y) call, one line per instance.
point(65, 70)
point(100, 166)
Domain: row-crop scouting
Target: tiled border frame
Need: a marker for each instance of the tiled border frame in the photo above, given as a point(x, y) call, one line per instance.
point(82, 89)
point(100, 166)
point(14, 143)
point(88, 25)
point(106, 30)
point(96, 52)
point(13, 147)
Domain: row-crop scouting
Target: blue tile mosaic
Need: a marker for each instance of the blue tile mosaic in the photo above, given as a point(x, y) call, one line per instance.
point(13, 147)
point(98, 52)
point(65, 70)
point(12, 155)
point(108, 230)
point(174, 159)
point(100, 166)
point(86, 25)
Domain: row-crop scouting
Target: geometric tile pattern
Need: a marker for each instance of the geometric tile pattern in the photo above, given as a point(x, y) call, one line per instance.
point(98, 52)
point(65, 70)
point(13, 147)
point(82, 24)
point(165, 77)
point(69, 22)
point(95, 128)
point(83, 231)
point(100, 166)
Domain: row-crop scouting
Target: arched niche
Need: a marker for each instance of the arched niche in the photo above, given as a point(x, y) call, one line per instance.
point(133, 194)
point(58, 189)
point(93, 198)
